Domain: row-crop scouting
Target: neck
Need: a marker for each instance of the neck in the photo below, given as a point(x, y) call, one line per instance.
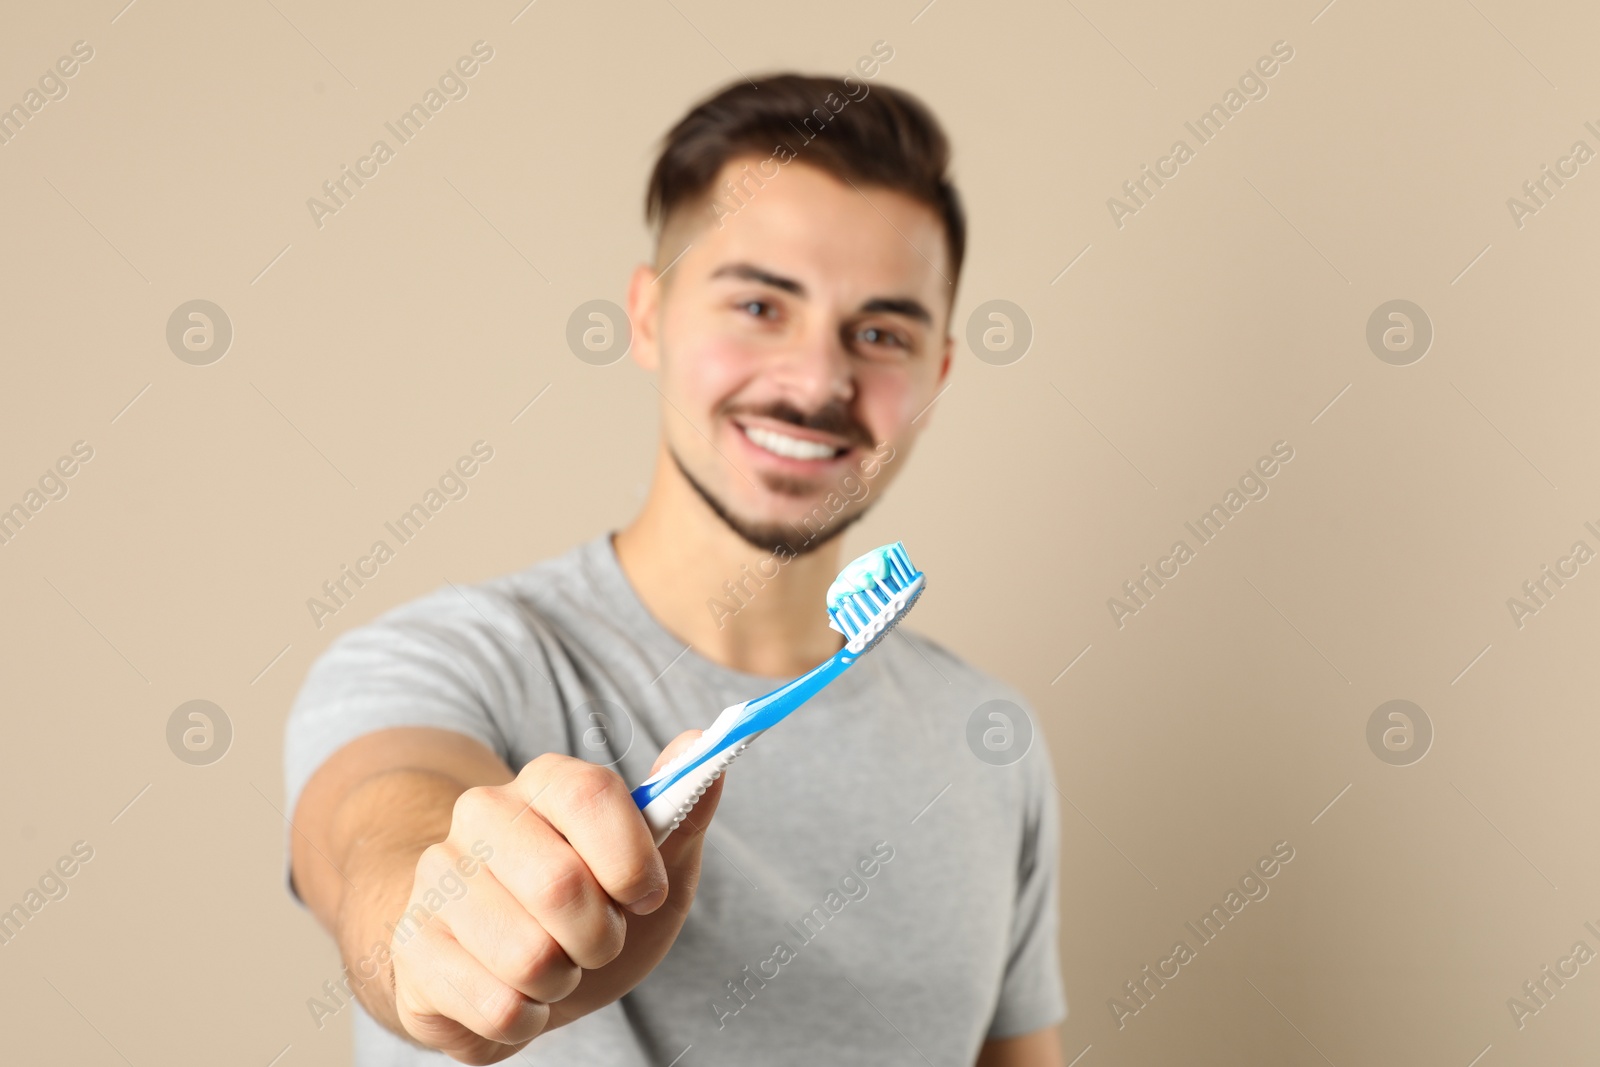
point(736, 605)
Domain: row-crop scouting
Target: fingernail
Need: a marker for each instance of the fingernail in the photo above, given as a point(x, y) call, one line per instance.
point(647, 903)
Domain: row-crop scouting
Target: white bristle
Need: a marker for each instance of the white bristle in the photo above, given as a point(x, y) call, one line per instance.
point(864, 616)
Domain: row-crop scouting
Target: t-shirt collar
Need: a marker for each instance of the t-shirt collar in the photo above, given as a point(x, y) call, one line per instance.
point(611, 581)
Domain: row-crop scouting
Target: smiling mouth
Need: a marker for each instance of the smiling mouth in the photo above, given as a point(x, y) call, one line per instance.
point(790, 447)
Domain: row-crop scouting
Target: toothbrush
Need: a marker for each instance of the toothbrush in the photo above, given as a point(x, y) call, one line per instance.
point(867, 598)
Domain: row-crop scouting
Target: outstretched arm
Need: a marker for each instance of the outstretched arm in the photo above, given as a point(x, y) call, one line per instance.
point(1042, 1048)
point(478, 908)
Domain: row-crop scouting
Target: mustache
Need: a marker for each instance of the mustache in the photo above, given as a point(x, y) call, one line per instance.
point(833, 418)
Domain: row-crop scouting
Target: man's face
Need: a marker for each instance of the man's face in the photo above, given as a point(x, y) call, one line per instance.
point(795, 338)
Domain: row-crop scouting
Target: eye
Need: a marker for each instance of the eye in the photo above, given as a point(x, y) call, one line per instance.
point(877, 335)
point(757, 308)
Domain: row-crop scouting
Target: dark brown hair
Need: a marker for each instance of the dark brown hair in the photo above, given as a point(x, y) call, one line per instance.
point(870, 135)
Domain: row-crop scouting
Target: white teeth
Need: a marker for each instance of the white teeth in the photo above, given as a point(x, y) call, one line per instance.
point(780, 444)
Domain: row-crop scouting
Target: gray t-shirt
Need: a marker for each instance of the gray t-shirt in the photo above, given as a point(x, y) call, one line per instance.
point(872, 891)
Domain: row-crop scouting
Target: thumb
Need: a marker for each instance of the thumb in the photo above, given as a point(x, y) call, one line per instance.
point(683, 845)
point(674, 749)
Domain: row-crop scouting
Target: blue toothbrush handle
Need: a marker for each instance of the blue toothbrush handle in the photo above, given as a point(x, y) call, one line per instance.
point(667, 796)
point(867, 598)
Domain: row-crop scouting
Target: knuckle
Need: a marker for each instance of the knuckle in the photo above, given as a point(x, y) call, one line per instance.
point(542, 767)
point(417, 949)
point(441, 1032)
point(639, 873)
point(505, 1012)
point(586, 787)
point(434, 859)
point(427, 1029)
point(472, 806)
point(564, 888)
point(543, 964)
point(563, 984)
point(600, 944)
point(613, 935)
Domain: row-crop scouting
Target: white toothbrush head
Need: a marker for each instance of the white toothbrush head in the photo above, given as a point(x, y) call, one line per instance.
point(871, 594)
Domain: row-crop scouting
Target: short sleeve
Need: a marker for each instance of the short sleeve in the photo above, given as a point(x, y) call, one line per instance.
point(1031, 993)
point(451, 660)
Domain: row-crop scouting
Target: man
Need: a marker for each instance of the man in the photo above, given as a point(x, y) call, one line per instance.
point(459, 769)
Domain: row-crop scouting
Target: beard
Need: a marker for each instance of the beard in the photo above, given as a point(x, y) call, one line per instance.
point(778, 538)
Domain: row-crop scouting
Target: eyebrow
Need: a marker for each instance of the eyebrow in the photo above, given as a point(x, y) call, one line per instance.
point(910, 308)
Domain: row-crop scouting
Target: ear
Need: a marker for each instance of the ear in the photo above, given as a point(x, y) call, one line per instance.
point(643, 309)
point(944, 376)
point(944, 363)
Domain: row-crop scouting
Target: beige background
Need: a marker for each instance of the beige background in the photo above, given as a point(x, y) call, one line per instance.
point(1223, 317)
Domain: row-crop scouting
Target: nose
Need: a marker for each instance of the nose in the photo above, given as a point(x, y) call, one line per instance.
point(816, 371)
